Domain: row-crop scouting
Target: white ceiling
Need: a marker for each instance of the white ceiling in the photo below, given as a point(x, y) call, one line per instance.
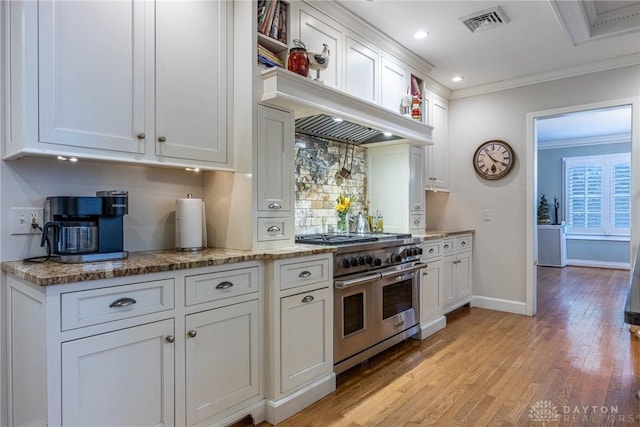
point(614, 123)
point(542, 38)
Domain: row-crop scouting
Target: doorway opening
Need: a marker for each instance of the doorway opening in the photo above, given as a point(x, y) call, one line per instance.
point(580, 188)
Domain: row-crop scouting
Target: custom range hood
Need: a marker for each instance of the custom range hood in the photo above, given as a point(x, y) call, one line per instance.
point(317, 105)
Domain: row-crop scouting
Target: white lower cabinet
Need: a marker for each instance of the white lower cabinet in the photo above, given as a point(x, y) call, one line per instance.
point(305, 318)
point(431, 289)
point(300, 318)
point(179, 348)
point(457, 264)
point(120, 378)
point(222, 348)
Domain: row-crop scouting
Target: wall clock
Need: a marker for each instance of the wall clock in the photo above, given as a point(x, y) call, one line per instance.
point(494, 159)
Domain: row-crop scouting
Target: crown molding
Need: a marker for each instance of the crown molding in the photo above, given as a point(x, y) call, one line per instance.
point(582, 142)
point(578, 70)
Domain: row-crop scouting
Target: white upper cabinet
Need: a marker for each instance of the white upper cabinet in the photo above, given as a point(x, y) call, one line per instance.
point(362, 66)
point(416, 178)
point(191, 79)
point(315, 30)
point(92, 74)
point(394, 83)
point(437, 158)
point(130, 81)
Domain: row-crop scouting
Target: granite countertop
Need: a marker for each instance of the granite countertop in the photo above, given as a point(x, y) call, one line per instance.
point(145, 262)
point(440, 234)
point(632, 308)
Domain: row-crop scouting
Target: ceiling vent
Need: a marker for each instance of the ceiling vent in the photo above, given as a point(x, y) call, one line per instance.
point(485, 19)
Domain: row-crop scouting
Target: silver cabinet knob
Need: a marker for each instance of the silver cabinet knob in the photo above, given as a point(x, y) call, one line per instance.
point(162, 138)
point(170, 338)
point(141, 135)
point(192, 334)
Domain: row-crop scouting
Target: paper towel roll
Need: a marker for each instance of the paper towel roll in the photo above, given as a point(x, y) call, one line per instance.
point(189, 224)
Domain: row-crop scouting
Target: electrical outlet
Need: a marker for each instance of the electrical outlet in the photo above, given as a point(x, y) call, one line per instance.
point(22, 218)
point(487, 214)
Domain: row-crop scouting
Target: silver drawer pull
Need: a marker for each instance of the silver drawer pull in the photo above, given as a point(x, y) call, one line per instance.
point(122, 302)
point(273, 229)
point(431, 250)
point(399, 324)
point(416, 207)
point(308, 298)
point(446, 246)
point(304, 274)
point(416, 222)
point(463, 243)
point(224, 285)
point(275, 206)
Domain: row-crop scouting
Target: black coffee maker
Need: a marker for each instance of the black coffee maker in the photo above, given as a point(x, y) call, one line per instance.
point(87, 229)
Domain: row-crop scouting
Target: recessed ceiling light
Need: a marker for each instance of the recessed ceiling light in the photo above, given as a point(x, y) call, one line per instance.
point(421, 35)
point(457, 78)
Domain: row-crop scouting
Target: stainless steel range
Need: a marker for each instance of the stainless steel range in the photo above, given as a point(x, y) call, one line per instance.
point(376, 292)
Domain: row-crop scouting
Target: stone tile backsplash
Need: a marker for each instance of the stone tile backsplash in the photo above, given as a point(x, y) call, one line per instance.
point(318, 163)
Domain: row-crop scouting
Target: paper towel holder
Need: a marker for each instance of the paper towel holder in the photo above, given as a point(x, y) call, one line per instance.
point(197, 223)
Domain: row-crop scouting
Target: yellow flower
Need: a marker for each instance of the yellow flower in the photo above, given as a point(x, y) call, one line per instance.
point(343, 204)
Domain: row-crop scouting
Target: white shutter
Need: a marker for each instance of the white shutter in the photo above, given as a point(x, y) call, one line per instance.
point(597, 193)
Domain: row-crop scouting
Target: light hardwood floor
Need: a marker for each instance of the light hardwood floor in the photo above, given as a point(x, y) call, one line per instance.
point(488, 368)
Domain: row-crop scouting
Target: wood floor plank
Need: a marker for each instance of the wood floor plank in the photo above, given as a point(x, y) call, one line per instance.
point(488, 368)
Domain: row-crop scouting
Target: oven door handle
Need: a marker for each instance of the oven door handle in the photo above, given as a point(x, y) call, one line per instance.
point(343, 284)
point(418, 266)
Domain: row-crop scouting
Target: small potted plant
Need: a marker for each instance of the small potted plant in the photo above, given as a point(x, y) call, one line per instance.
point(543, 211)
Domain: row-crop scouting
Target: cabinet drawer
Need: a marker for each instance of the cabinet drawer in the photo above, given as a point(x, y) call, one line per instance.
point(416, 221)
point(448, 246)
point(208, 287)
point(304, 273)
point(432, 249)
point(270, 229)
point(463, 242)
point(91, 307)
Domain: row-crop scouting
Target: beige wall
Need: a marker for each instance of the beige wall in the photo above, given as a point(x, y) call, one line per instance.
point(500, 247)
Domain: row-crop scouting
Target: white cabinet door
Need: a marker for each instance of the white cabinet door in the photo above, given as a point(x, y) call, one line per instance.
point(124, 377)
point(192, 59)
point(448, 281)
point(317, 29)
point(92, 65)
point(437, 170)
point(222, 358)
point(463, 275)
point(274, 160)
point(305, 338)
point(394, 83)
point(431, 291)
point(416, 180)
point(361, 70)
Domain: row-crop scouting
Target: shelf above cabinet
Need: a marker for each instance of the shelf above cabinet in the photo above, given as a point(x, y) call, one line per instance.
point(308, 97)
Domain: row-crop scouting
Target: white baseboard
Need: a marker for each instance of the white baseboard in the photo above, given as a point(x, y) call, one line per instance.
point(499, 304)
point(431, 327)
point(287, 406)
point(598, 264)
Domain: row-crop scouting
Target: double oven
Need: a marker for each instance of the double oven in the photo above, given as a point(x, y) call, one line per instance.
point(376, 294)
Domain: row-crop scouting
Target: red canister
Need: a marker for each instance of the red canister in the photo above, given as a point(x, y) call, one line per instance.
point(298, 61)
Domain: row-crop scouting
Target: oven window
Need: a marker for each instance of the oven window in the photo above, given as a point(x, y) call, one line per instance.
point(397, 298)
point(353, 313)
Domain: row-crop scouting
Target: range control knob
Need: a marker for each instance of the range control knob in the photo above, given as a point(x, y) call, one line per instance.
point(419, 251)
point(396, 258)
point(369, 260)
point(354, 262)
point(346, 263)
point(377, 262)
point(410, 252)
point(361, 260)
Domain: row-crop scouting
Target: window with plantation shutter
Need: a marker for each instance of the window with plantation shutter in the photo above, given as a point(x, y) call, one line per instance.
point(597, 192)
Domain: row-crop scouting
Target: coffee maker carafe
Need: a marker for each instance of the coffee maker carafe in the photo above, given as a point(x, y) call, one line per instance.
point(87, 229)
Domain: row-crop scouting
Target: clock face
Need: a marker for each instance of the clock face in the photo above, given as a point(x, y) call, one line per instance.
point(493, 159)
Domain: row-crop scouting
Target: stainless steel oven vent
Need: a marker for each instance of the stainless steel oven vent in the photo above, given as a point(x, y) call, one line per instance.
point(328, 127)
point(485, 19)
